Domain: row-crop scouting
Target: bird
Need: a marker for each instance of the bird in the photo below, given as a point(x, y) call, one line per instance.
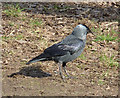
point(66, 50)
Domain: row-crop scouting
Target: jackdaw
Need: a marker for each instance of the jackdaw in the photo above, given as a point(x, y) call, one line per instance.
point(67, 50)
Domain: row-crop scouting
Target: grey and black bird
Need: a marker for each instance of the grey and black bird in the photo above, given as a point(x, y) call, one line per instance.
point(67, 50)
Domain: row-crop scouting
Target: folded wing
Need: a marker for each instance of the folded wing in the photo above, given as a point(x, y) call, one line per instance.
point(63, 48)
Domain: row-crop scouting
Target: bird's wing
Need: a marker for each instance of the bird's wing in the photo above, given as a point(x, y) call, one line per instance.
point(72, 46)
point(54, 51)
point(63, 47)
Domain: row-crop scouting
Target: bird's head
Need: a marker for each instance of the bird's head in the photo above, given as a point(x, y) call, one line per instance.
point(81, 31)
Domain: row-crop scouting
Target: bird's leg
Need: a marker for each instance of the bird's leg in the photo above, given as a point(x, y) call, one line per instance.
point(64, 68)
point(60, 70)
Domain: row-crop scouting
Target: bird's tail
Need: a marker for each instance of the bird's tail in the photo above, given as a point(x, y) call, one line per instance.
point(37, 58)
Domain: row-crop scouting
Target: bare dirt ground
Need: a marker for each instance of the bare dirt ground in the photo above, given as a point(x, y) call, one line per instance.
point(26, 33)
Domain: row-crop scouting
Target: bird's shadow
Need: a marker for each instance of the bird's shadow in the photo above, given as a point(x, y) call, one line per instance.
point(32, 71)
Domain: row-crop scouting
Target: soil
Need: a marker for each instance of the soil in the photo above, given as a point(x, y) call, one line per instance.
point(23, 38)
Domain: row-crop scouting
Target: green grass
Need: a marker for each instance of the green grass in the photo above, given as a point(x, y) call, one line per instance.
point(105, 74)
point(101, 82)
point(36, 22)
point(23, 62)
point(12, 10)
point(56, 7)
point(5, 37)
point(82, 57)
point(108, 61)
point(67, 7)
point(114, 31)
point(45, 8)
point(106, 37)
point(78, 66)
point(118, 40)
point(24, 18)
point(17, 37)
point(117, 33)
point(96, 30)
point(81, 66)
point(11, 23)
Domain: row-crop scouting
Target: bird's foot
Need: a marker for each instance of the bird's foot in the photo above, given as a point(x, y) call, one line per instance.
point(63, 78)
